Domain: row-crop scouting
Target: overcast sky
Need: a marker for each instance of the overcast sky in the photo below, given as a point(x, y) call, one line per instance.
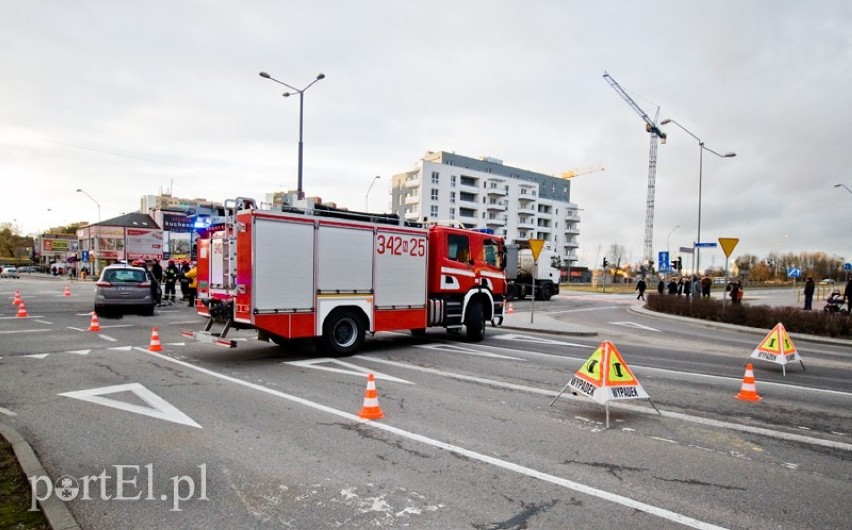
point(124, 99)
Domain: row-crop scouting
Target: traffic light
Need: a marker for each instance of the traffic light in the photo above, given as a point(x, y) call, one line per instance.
point(678, 263)
point(605, 263)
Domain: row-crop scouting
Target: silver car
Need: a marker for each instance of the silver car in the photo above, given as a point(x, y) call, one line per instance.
point(122, 287)
point(9, 272)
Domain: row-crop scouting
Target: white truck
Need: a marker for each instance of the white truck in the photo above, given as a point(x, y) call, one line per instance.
point(520, 270)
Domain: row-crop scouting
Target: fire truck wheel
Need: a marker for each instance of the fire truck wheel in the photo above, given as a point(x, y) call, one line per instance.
point(475, 322)
point(343, 332)
point(418, 332)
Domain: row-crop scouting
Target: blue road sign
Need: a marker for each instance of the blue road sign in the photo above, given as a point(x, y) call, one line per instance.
point(847, 266)
point(705, 245)
point(663, 261)
point(84, 255)
point(794, 272)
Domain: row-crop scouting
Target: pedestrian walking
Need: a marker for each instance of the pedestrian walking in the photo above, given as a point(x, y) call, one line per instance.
point(157, 270)
point(706, 284)
point(640, 288)
point(661, 287)
point(672, 286)
point(847, 294)
point(810, 288)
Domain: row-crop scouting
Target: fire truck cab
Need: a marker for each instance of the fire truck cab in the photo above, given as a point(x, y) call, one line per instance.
point(336, 275)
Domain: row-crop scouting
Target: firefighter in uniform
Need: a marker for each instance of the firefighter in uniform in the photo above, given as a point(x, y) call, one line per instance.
point(171, 275)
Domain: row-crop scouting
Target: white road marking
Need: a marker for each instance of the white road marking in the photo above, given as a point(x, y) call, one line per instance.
point(77, 329)
point(583, 309)
point(118, 326)
point(44, 322)
point(634, 325)
point(175, 344)
point(158, 407)
point(509, 466)
point(644, 410)
point(121, 348)
point(353, 369)
point(28, 316)
point(537, 340)
point(79, 352)
point(467, 351)
point(107, 337)
point(25, 331)
point(7, 412)
point(37, 355)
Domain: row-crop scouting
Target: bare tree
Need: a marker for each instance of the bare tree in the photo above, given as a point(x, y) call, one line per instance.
point(616, 255)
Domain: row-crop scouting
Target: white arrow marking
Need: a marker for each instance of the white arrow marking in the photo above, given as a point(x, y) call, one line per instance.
point(121, 348)
point(158, 407)
point(37, 355)
point(353, 369)
point(79, 352)
point(467, 351)
point(538, 340)
point(634, 325)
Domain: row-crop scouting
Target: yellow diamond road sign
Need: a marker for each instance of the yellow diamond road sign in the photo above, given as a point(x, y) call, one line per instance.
point(536, 246)
point(728, 244)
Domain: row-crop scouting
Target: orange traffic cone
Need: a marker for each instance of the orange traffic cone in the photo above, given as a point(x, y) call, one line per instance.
point(17, 300)
point(511, 309)
point(95, 325)
point(371, 409)
point(22, 310)
point(155, 341)
point(67, 291)
point(748, 392)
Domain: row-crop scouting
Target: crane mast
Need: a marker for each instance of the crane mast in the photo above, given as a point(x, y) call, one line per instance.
point(655, 132)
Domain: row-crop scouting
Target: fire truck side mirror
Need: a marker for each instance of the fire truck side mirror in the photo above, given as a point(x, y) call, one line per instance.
point(503, 259)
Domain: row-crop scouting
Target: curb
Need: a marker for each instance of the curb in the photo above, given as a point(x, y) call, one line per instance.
point(638, 309)
point(54, 510)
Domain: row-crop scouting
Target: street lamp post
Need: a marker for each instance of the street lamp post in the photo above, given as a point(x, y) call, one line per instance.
point(843, 185)
point(93, 241)
point(367, 199)
point(668, 247)
point(301, 93)
point(701, 148)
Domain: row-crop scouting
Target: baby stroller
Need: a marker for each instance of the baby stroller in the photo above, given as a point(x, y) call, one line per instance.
point(834, 303)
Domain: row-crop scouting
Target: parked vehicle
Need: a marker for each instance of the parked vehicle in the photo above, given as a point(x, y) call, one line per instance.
point(9, 272)
point(124, 287)
point(334, 275)
point(521, 268)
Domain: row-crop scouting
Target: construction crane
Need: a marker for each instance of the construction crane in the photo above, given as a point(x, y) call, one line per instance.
point(655, 132)
point(576, 172)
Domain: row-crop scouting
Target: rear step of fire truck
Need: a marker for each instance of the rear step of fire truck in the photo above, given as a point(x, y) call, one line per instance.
point(211, 337)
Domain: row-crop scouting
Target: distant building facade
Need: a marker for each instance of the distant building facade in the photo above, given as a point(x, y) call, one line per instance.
point(516, 203)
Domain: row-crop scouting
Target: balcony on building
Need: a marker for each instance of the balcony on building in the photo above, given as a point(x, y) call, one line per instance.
point(572, 231)
point(497, 205)
point(412, 199)
point(466, 196)
point(468, 183)
point(496, 220)
point(496, 188)
point(526, 222)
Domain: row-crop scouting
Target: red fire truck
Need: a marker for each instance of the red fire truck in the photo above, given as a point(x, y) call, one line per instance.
point(336, 275)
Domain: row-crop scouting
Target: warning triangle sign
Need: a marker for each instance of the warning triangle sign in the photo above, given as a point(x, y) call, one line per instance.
point(777, 347)
point(606, 377)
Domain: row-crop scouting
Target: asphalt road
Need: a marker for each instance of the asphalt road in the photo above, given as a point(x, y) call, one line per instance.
point(269, 437)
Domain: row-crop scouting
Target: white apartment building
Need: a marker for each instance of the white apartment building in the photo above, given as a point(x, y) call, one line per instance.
point(517, 204)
